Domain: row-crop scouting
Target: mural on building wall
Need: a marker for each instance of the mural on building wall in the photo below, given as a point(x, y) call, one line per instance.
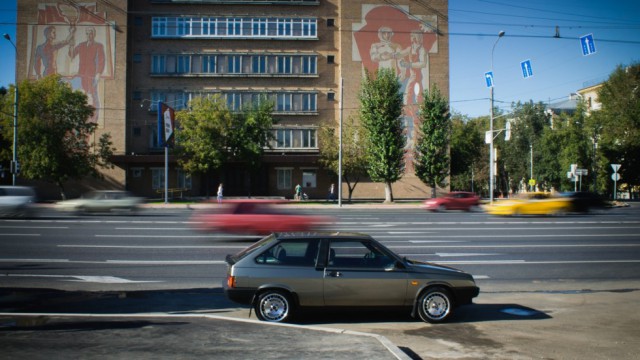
point(391, 37)
point(77, 43)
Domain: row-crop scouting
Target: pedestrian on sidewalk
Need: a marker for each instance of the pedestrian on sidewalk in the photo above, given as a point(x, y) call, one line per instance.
point(220, 193)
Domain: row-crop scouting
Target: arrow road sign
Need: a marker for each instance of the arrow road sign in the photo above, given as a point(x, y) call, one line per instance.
point(526, 69)
point(588, 45)
point(488, 77)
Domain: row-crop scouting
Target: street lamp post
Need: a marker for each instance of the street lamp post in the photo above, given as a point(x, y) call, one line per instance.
point(14, 160)
point(491, 154)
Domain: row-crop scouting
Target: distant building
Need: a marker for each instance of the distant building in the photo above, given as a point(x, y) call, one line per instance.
point(294, 51)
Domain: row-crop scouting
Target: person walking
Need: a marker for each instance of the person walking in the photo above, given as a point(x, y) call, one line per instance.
point(298, 194)
point(220, 193)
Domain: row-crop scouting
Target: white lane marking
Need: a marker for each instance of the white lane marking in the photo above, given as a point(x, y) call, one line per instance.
point(542, 262)
point(464, 254)
point(522, 236)
point(177, 236)
point(510, 246)
point(20, 234)
point(169, 262)
point(32, 227)
point(117, 262)
point(154, 228)
point(153, 247)
point(85, 278)
point(480, 277)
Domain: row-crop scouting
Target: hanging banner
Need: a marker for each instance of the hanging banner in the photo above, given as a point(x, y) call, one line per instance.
point(166, 121)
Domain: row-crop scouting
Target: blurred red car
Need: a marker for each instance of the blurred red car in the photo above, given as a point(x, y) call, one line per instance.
point(456, 200)
point(256, 217)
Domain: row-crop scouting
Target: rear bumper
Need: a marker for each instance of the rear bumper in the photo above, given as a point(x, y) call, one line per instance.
point(239, 295)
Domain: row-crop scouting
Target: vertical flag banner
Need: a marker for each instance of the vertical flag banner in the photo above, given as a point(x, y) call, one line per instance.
point(166, 121)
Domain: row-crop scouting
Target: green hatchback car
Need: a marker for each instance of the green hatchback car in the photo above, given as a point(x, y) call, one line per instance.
point(285, 272)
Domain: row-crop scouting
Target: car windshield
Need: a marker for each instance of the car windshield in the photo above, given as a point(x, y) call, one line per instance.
point(265, 241)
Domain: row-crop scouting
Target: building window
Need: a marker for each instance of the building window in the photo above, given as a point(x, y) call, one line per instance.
point(330, 22)
point(158, 64)
point(284, 178)
point(331, 96)
point(184, 179)
point(183, 65)
point(157, 178)
point(309, 178)
point(136, 172)
point(137, 21)
point(331, 59)
point(137, 58)
point(219, 27)
point(295, 139)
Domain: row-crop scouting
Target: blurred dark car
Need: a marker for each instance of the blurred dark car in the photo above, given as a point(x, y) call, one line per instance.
point(256, 217)
point(284, 273)
point(456, 200)
point(584, 201)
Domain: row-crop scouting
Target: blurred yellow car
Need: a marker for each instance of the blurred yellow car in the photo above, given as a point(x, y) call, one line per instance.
point(536, 203)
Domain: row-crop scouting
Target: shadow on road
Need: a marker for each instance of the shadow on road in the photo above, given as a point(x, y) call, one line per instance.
point(77, 302)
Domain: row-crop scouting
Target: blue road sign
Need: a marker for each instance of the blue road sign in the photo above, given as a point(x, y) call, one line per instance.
point(488, 77)
point(526, 69)
point(588, 45)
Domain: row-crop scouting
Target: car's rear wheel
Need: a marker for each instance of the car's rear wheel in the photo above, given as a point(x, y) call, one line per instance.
point(274, 306)
point(435, 305)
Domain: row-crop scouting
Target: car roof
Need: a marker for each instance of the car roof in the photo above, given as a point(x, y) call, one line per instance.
point(322, 234)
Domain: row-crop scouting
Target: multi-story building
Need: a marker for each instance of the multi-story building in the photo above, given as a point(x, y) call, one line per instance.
point(305, 55)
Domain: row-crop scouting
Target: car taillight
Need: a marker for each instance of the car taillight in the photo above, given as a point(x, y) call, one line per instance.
point(231, 281)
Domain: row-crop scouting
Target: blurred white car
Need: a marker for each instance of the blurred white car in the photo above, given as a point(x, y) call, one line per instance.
point(17, 201)
point(102, 201)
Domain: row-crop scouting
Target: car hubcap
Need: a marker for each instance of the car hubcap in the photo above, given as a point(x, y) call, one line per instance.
point(436, 306)
point(274, 307)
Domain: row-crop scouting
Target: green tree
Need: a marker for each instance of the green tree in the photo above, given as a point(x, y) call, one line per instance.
point(467, 145)
point(202, 134)
point(250, 133)
point(55, 133)
point(354, 162)
point(528, 122)
point(431, 158)
point(208, 134)
point(380, 113)
point(620, 137)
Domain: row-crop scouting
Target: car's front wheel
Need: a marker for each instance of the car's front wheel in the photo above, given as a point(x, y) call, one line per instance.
point(435, 305)
point(274, 306)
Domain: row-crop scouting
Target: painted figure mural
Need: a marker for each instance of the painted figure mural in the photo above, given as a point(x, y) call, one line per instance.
point(84, 64)
point(388, 37)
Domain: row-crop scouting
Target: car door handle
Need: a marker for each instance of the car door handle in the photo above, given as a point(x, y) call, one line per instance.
point(334, 273)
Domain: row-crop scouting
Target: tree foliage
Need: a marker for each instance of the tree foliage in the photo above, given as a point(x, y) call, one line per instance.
point(467, 156)
point(354, 162)
point(56, 136)
point(209, 135)
point(620, 116)
point(431, 158)
point(202, 134)
point(380, 114)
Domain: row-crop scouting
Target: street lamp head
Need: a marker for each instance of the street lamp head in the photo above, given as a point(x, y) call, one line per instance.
point(6, 36)
point(501, 33)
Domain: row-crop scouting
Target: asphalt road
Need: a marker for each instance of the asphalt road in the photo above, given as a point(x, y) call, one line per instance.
point(551, 287)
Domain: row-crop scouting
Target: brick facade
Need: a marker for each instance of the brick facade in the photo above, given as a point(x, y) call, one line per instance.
point(154, 61)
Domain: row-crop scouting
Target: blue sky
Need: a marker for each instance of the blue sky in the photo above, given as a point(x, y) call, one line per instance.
point(559, 68)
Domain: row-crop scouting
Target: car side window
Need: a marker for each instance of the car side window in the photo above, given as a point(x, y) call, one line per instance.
point(291, 253)
point(357, 254)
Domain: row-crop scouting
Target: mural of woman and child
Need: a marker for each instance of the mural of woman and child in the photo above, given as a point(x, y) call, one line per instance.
point(84, 64)
point(389, 38)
